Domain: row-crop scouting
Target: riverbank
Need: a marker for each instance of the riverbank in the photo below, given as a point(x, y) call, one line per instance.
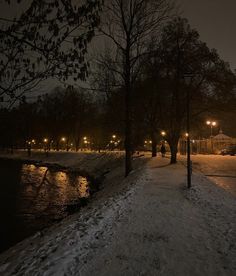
point(104, 172)
point(90, 164)
point(151, 225)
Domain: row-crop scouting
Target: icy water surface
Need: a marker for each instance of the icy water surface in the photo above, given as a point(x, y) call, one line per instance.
point(32, 198)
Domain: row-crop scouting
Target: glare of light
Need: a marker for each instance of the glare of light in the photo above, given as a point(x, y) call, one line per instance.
point(186, 134)
point(45, 140)
point(150, 142)
point(210, 123)
point(85, 138)
point(63, 139)
point(113, 136)
point(71, 144)
point(163, 133)
point(86, 142)
point(111, 141)
point(33, 141)
point(145, 142)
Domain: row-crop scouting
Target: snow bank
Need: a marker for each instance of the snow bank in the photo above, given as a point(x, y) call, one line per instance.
point(88, 163)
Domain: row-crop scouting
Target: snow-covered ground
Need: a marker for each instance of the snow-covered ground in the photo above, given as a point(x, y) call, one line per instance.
point(91, 163)
point(220, 169)
point(152, 225)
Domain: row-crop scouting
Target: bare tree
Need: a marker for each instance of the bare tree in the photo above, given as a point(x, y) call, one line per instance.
point(130, 25)
point(180, 52)
point(48, 39)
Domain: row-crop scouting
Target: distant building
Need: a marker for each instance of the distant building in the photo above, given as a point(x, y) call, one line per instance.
point(206, 146)
point(221, 141)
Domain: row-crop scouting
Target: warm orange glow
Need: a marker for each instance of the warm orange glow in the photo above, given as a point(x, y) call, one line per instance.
point(85, 138)
point(163, 133)
point(45, 140)
point(211, 123)
point(186, 134)
point(113, 136)
point(63, 139)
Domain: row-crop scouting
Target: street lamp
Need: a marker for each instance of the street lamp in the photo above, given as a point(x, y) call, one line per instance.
point(211, 124)
point(188, 79)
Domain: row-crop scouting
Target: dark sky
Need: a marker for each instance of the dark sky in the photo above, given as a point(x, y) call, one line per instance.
point(215, 21)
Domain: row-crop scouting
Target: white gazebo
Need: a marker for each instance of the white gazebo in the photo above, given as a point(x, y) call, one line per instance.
point(221, 141)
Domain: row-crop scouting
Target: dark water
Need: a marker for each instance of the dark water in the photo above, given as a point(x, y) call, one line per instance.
point(32, 198)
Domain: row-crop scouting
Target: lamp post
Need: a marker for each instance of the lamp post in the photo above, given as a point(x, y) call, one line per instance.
point(188, 79)
point(211, 124)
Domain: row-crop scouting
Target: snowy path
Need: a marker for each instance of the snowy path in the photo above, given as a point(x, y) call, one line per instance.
point(164, 233)
point(156, 227)
point(220, 169)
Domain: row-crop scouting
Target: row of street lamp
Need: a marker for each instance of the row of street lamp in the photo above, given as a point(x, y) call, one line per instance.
point(64, 139)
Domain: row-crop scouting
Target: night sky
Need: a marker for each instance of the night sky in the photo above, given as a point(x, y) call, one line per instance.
point(215, 21)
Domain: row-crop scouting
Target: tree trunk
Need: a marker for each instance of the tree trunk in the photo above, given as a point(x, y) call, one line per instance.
point(154, 145)
point(77, 142)
point(128, 145)
point(57, 145)
point(173, 150)
point(128, 106)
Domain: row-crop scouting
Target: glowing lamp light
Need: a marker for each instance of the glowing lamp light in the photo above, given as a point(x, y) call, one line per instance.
point(163, 133)
point(63, 139)
point(211, 123)
point(45, 140)
point(113, 136)
point(186, 134)
point(85, 138)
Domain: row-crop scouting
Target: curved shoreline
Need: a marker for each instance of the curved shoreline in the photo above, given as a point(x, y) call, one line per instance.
point(98, 176)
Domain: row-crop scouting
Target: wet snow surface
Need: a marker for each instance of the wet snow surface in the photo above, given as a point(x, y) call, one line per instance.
point(155, 226)
point(220, 169)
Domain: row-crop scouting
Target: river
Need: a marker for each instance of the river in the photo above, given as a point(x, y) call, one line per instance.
point(32, 198)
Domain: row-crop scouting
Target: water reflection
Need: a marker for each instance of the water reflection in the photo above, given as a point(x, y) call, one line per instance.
point(32, 197)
